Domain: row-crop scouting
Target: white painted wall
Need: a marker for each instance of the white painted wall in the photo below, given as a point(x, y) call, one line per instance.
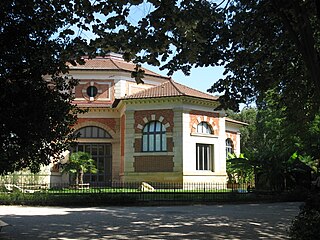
point(190, 174)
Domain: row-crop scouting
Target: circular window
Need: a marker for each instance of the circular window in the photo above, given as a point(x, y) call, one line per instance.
point(92, 91)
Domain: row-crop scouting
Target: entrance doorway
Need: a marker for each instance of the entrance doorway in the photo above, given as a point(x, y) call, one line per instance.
point(102, 155)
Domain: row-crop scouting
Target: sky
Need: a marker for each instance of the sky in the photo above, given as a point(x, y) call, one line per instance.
point(200, 78)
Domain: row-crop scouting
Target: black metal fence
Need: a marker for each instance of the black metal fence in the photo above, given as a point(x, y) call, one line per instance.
point(133, 192)
point(126, 187)
point(34, 189)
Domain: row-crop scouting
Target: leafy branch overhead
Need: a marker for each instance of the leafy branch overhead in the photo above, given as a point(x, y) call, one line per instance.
point(263, 45)
point(138, 74)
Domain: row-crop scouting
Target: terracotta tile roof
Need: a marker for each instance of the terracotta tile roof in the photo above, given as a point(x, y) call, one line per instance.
point(170, 89)
point(111, 62)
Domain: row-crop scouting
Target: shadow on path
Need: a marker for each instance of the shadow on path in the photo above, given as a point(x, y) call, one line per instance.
point(244, 221)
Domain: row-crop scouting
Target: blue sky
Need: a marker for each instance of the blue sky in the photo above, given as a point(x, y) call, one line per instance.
point(199, 78)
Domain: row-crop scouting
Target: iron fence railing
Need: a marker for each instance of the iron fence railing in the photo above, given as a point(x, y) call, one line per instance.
point(128, 193)
point(126, 187)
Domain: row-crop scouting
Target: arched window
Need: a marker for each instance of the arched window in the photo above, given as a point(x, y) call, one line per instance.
point(229, 147)
point(92, 132)
point(154, 137)
point(204, 127)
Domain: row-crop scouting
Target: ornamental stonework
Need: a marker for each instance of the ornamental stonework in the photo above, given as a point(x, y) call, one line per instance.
point(212, 119)
point(165, 116)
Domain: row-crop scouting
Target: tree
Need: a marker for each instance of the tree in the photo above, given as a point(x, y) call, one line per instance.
point(262, 45)
point(249, 137)
point(79, 163)
point(36, 113)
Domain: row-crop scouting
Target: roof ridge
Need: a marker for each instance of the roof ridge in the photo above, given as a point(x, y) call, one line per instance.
point(185, 86)
point(175, 86)
point(115, 64)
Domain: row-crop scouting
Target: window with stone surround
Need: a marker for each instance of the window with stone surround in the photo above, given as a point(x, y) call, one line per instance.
point(229, 147)
point(204, 128)
point(154, 137)
point(204, 157)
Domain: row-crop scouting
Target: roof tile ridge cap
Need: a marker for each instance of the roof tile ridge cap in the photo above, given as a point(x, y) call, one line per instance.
point(115, 64)
point(206, 93)
point(176, 87)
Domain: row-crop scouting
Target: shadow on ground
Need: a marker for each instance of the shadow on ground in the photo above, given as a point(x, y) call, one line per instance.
point(244, 221)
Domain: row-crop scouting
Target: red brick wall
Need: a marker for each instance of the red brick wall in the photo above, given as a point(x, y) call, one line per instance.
point(110, 122)
point(153, 164)
point(81, 89)
point(213, 117)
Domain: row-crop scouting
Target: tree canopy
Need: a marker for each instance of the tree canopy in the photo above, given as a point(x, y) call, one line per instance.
point(35, 101)
point(262, 44)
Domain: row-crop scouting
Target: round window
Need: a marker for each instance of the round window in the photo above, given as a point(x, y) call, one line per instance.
point(92, 91)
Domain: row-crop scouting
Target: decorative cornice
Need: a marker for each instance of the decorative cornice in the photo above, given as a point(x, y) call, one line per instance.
point(100, 109)
point(175, 99)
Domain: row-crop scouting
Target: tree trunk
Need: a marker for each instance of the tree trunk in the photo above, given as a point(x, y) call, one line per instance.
point(81, 176)
point(300, 29)
point(77, 178)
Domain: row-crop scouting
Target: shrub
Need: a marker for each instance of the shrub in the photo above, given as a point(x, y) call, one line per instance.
point(306, 226)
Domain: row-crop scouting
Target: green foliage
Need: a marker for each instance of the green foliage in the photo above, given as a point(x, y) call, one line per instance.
point(249, 139)
point(78, 164)
point(282, 157)
point(279, 49)
point(306, 226)
point(274, 61)
point(35, 99)
point(240, 169)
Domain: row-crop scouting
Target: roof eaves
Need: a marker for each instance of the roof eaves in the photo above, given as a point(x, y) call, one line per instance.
point(236, 122)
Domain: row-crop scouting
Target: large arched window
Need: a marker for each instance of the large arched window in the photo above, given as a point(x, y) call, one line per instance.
point(92, 132)
point(204, 128)
point(154, 137)
point(229, 147)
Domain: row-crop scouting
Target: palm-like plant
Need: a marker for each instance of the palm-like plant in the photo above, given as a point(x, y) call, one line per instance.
point(240, 169)
point(79, 163)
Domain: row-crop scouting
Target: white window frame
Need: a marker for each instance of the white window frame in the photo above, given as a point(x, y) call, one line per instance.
point(229, 147)
point(204, 157)
point(154, 138)
point(204, 128)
